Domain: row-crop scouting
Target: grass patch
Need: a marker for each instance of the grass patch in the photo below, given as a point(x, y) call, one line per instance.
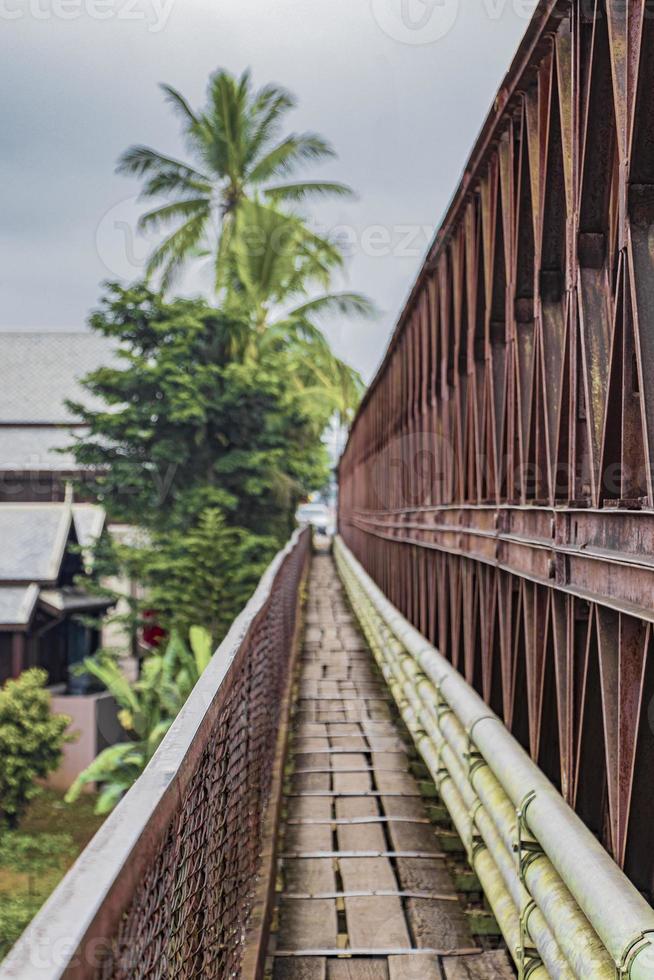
point(34, 859)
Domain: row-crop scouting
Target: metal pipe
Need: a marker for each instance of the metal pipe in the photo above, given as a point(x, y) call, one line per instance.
point(614, 909)
point(461, 801)
point(465, 807)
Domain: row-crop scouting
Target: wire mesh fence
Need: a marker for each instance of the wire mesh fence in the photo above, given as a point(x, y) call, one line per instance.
point(174, 900)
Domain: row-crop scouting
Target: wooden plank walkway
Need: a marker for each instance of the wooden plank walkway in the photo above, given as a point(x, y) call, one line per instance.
point(360, 863)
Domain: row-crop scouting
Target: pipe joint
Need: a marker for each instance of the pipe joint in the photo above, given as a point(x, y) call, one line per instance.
point(477, 721)
point(527, 848)
point(524, 806)
point(530, 965)
point(442, 706)
point(641, 947)
point(477, 846)
point(529, 959)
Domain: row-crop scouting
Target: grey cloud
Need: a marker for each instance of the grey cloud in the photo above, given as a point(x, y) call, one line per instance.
point(402, 116)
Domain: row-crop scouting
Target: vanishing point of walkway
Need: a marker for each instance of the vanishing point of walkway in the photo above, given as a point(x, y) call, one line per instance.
point(361, 866)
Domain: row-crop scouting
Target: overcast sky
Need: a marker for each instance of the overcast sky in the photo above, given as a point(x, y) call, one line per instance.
point(400, 87)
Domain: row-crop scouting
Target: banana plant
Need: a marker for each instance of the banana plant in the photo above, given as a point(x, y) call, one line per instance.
point(147, 709)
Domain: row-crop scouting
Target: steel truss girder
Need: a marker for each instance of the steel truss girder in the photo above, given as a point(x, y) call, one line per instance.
point(498, 483)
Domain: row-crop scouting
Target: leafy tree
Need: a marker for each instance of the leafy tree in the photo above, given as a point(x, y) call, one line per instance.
point(238, 153)
point(272, 291)
point(31, 741)
point(268, 262)
point(189, 424)
point(148, 708)
point(276, 262)
point(202, 575)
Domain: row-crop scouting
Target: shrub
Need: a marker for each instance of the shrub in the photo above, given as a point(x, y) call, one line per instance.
point(148, 708)
point(31, 742)
point(16, 913)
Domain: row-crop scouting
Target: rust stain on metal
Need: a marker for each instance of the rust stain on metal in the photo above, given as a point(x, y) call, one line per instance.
point(498, 482)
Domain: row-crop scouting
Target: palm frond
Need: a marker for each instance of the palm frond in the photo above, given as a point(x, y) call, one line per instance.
point(268, 107)
point(165, 173)
point(111, 676)
point(289, 154)
point(345, 304)
point(173, 252)
point(307, 189)
point(179, 104)
point(153, 220)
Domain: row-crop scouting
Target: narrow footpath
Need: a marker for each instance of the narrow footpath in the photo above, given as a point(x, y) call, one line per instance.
point(361, 870)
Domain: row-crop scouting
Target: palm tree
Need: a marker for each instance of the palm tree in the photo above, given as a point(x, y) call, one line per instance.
point(239, 153)
point(276, 266)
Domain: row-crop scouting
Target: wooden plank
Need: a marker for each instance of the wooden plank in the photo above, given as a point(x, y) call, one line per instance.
point(487, 966)
point(314, 760)
point(359, 837)
point(352, 728)
point(438, 925)
point(368, 874)
point(309, 808)
point(373, 922)
point(309, 876)
point(424, 875)
point(351, 782)
point(396, 782)
point(384, 727)
point(386, 743)
point(403, 806)
point(391, 760)
point(310, 782)
point(307, 924)
point(357, 970)
point(435, 925)
point(302, 968)
point(311, 729)
point(356, 806)
point(308, 837)
point(414, 968)
point(414, 837)
point(305, 744)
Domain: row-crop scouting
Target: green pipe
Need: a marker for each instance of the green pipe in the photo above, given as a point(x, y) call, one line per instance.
point(561, 922)
point(535, 923)
point(615, 910)
point(461, 801)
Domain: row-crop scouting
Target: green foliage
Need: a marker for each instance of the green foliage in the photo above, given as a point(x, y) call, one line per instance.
point(233, 203)
point(189, 424)
point(34, 855)
point(33, 859)
point(16, 913)
point(148, 708)
point(31, 741)
point(202, 575)
point(238, 154)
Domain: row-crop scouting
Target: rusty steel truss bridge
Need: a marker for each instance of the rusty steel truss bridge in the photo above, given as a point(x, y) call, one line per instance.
point(429, 755)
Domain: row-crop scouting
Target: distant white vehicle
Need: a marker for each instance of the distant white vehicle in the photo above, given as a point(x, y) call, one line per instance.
point(317, 516)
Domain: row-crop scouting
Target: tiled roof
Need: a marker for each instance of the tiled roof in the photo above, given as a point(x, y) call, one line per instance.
point(89, 523)
point(17, 604)
point(41, 370)
point(35, 449)
point(33, 540)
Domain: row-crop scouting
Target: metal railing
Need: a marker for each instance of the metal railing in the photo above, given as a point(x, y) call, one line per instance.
point(566, 910)
point(166, 887)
